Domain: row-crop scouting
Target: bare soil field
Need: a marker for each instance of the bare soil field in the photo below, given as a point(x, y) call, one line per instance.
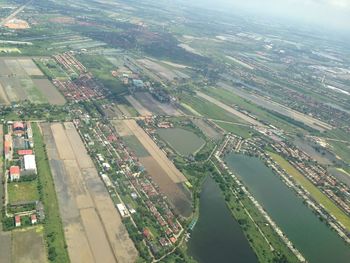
point(93, 228)
point(207, 129)
point(28, 246)
point(3, 96)
point(30, 68)
point(49, 91)
point(158, 69)
point(160, 168)
point(5, 246)
point(138, 106)
point(155, 106)
point(170, 169)
point(179, 197)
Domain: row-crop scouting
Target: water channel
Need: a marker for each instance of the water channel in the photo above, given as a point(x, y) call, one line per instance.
point(313, 238)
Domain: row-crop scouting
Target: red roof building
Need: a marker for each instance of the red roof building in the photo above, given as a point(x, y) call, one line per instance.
point(33, 219)
point(25, 152)
point(17, 221)
point(18, 125)
point(15, 173)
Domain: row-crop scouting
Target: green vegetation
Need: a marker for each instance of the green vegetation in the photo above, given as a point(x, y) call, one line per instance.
point(54, 235)
point(208, 109)
point(230, 98)
point(51, 69)
point(23, 191)
point(237, 129)
point(313, 190)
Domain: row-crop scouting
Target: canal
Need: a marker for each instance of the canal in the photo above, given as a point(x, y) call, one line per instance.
point(217, 237)
point(316, 241)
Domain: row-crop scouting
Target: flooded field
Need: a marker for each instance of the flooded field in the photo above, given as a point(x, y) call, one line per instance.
point(313, 238)
point(217, 237)
point(93, 228)
point(183, 141)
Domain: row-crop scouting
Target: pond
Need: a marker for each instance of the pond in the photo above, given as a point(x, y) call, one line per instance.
point(217, 237)
point(183, 141)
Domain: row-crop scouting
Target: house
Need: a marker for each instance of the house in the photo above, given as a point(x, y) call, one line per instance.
point(15, 173)
point(17, 221)
point(18, 128)
point(33, 219)
point(29, 163)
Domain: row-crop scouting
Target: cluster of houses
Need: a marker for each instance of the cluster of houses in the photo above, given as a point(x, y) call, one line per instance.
point(18, 150)
point(20, 160)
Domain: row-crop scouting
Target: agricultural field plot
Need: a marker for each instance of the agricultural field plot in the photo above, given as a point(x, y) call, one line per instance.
point(155, 106)
point(279, 108)
point(230, 109)
point(208, 130)
point(52, 95)
point(28, 246)
point(17, 84)
point(161, 169)
point(162, 71)
point(93, 228)
point(138, 106)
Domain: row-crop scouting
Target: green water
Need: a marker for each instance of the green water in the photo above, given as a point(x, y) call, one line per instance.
point(183, 141)
point(217, 237)
point(317, 242)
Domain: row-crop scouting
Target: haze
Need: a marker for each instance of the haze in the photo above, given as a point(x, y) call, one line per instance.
point(330, 14)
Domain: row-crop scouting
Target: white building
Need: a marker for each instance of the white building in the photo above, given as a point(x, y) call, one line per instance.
point(29, 163)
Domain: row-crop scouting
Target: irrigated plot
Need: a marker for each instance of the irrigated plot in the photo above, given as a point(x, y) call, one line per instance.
point(93, 228)
point(28, 245)
point(49, 91)
point(17, 85)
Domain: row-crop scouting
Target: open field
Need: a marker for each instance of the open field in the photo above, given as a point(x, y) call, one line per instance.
point(155, 106)
point(175, 175)
point(313, 190)
point(276, 107)
point(164, 72)
point(208, 109)
point(93, 228)
point(23, 191)
point(138, 106)
point(230, 109)
point(52, 95)
point(207, 129)
point(17, 84)
point(54, 235)
point(162, 170)
point(28, 245)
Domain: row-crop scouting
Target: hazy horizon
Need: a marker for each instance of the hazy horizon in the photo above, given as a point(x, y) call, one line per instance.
point(329, 14)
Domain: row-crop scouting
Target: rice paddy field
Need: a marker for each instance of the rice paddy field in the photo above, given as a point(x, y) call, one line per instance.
point(21, 79)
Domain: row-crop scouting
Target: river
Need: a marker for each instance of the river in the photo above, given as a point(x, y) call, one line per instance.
point(217, 237)
point(313, 238)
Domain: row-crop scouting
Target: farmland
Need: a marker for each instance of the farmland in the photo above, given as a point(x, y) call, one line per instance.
point(21, 79)
point(93, 228)
point(162, 171)
point(28, 246)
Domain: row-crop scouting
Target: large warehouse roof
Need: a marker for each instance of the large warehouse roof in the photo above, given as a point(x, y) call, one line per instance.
point(29, 162)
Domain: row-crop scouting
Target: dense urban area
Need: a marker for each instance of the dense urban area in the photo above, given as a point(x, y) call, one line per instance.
point(157, 131)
